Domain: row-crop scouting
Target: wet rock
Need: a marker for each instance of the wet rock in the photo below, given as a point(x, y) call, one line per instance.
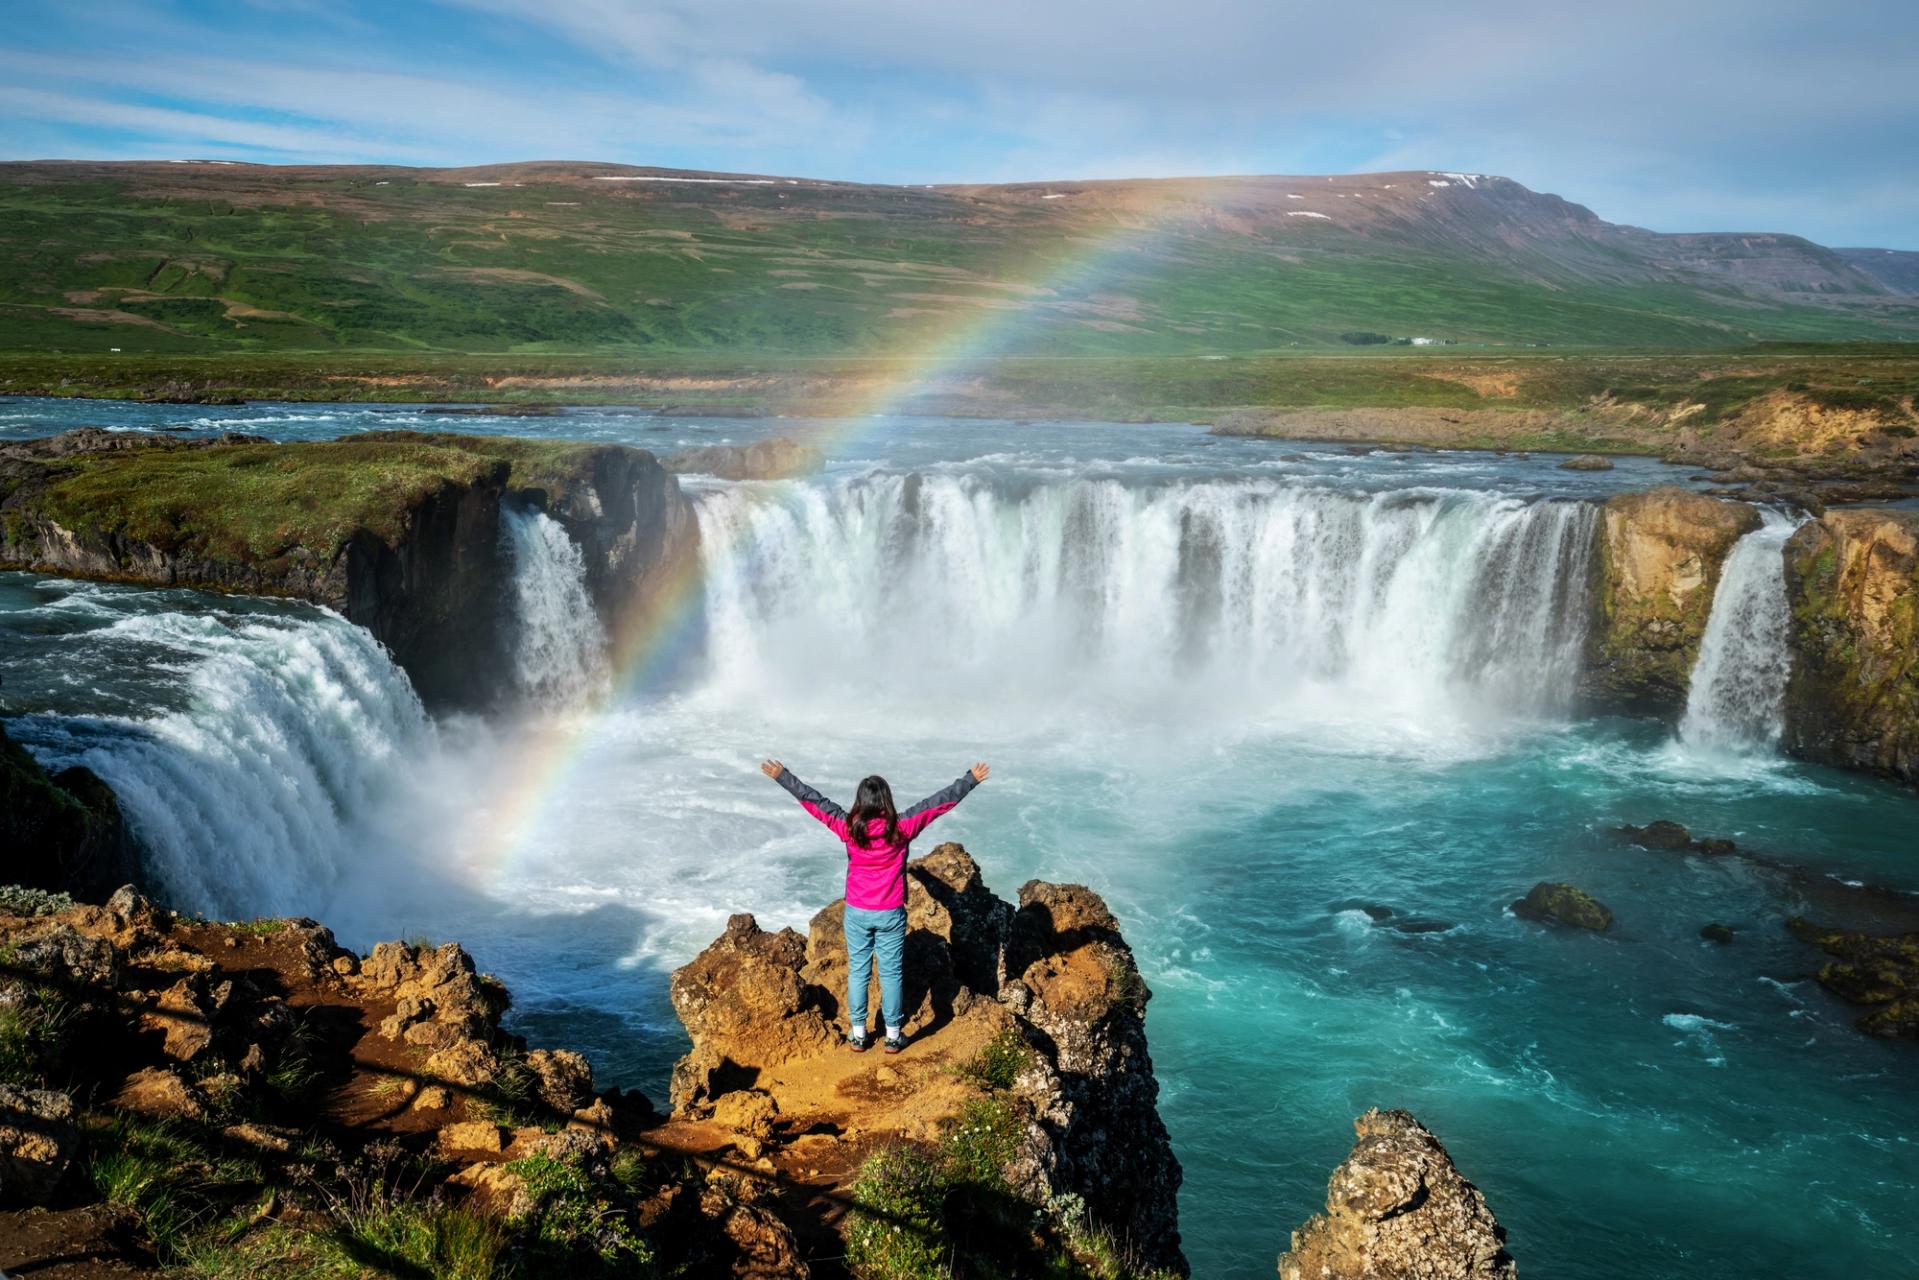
point(563, 1079)
point(1875, 970)
point(37, 1142)
point(1715, 846)
point(1852, 578)
point(1716, 932)
point(1586, 462)
point(1550, 901)
point(62, 831)
point(1658, 835)
point(1398, 1208)
point(776, 459)
point(1657, 565)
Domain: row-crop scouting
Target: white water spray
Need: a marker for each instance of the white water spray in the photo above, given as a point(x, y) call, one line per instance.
point(1261, 592)
point(245, 799)
point(1737, 696)
point(560, 652)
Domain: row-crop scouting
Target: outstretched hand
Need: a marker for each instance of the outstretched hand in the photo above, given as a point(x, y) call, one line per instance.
point(772, 768)
point(979, 771)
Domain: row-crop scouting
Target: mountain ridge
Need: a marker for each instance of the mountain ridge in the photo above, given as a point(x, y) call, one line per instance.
point(579, 255)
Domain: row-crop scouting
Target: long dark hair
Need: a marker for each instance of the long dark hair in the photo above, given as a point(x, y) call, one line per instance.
point(873, 800)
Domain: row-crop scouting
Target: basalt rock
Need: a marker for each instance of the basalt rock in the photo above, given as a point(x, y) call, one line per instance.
point(1852, 581)
point(1053, 971)
point(1657, 563)
point(421, 565)
point(1550, 901)
point(776, 459)
point(1880, 972)
point(62, 831)
point(1398, 1209)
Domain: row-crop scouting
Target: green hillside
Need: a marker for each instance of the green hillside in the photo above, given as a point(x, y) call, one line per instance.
point(205, 259)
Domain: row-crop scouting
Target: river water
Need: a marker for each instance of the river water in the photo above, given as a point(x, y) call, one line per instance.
point(1301, 714)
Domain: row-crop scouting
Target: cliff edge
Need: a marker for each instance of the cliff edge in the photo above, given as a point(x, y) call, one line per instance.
point(1020, 1127)
point(399, 531)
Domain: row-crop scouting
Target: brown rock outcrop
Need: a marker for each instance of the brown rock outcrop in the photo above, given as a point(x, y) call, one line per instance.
point(1657, 564)
point(1054, 973)
point(1852, 581)
point(1398, 1209)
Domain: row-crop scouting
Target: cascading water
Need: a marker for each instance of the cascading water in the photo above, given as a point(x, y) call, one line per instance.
point(1401, 600)
point(245, 797)
point(1737, 697)
point(560, 653)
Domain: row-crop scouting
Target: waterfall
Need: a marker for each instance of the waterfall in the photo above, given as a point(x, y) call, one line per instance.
point(1395, 601)
point(245, 795)
point(560, 650)
point(1737, 695)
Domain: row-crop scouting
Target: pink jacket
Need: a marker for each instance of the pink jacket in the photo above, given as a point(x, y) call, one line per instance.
point(876, 874)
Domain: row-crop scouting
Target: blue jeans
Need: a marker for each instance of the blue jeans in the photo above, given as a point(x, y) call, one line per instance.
point(870, 933)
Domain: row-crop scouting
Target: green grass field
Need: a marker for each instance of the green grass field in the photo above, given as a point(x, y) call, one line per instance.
point(344, 261)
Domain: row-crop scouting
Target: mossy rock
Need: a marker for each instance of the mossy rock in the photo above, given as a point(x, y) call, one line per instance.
point(1549, 901)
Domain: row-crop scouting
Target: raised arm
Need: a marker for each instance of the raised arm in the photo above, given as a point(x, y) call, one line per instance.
point(921, 815)
point(810, 800)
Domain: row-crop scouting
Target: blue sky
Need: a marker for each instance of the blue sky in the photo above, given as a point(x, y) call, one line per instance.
point(1679, 115)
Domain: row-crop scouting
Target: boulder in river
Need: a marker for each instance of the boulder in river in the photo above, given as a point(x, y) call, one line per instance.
point(1716, 932)
point(1879, 971)
point(1398, 1207)
point(1586, 462)
point(1567, 904)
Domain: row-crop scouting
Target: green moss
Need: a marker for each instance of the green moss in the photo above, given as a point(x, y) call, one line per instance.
point(261, 502)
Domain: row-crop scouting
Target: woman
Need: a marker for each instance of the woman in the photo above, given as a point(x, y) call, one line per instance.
point(876, 836)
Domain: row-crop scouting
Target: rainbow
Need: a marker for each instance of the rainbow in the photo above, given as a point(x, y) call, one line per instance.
point(642, 646)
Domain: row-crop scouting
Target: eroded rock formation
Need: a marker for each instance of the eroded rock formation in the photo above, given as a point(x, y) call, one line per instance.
point(1853, 697)
point(417, 559)
point(1053, 973)
point(1877, 971)
point(1398, 1209)
point(1657, 562)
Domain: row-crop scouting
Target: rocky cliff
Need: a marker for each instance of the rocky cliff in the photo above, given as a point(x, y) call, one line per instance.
point(1398, 1209)
point(1657, 560)
point(62, 832)
point(398, 531)
point(1026, 1096)
point(1853, 697)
